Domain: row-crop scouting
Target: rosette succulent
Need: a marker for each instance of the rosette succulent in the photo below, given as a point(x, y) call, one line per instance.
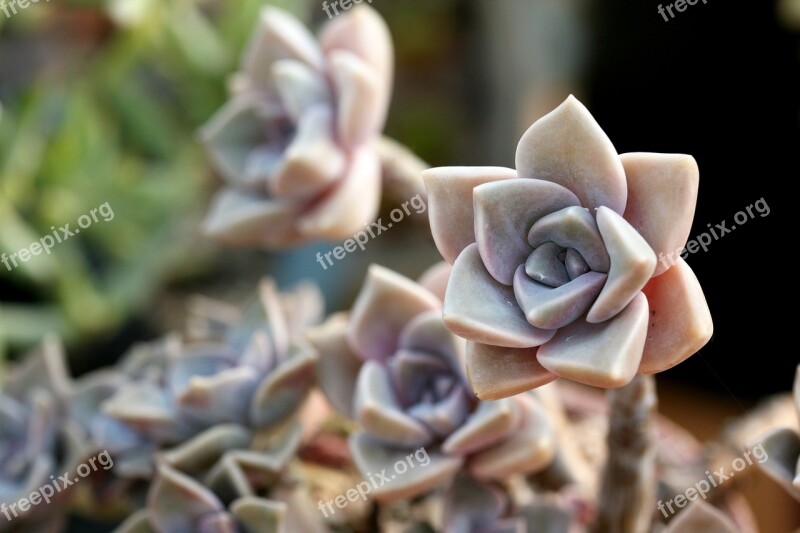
point(297, 142)
point(555, 264)
point(783, 449)
point(32, 444)
point(249, 372)
point(394, 367)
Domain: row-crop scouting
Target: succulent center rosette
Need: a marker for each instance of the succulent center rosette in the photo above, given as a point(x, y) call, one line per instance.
point(394, 367)
point(296, 142)
point(556, 268)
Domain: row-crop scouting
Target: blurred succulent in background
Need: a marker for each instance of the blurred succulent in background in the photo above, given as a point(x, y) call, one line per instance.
point(555, 270)
point(395, 368)
point(246, 372)
point(297, 143)
point(32, 444)
point(783, 449)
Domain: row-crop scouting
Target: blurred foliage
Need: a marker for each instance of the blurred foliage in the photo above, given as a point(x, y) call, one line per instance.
point(100, 103)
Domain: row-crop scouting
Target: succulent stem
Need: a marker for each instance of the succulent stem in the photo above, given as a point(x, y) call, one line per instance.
point(627, 494)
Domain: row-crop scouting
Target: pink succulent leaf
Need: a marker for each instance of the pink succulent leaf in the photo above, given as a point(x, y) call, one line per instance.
point(177, 502)
point(496, 372)
point(360, 99)
point(257, 515)
point(569, 148)
point(632, 265)
point(372, 456)
point(490, 423)
point(505, 211)
point(220, 397)
point(338, 364)
point(572, 228)
point(701, 516)
point(529, 449)
point(279, 395)
point(479, 308)
point(374, 330)
point(470, 506)
point(680, 321)
point(203, 450)
point(450, 201)
point(240, 218)
point(603, 355)
point(426, 333)
point(300, 87)
point(662, 195)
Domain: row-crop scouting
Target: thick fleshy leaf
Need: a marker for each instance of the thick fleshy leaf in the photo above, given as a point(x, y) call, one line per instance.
point(284, 389)
point(313, 160)
point(242, 219)
point(223, 397)
point(270, 298)
point(572, 227)
point(471, 506)
point(258, 515)
point(575, 263)
point(300, 87)
point(529, 449)
point(680, 321)
point(361, 109)
point(450, 206)
point(602, 355)
point(412, 372)
point(387, 302)
point(436, 277)
point(238, 142)
point(701, 517)
point(445, 416)
point(373, 458)
point(44, 367)
point(351, 205)
point(490, 423)
point(496, 372)
point(279, 36)
point(544, 265)
point(662, 194)
point(147, 408)
point(379, 412)
point(569, 147)
point(243, 473)
point(363, 32)
point(176, 501)
point(505, 211)
point(782, 448)
point(632, 265)
point(338, 365)
point(479, 308)
point(202, 451)
point(427, 333)
point(552, 308)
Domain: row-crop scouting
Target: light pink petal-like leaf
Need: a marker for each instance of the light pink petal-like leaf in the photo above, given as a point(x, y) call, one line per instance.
point(300, 87)
point(351, 205)
point(313, 160)
point(505, 211)
point(529, 449)
point(445, 416)
point(258, 515)
point(569, 147)
point(632, 265)
point(496, 372)
point(471, 506)
point(278, 396)
point(177, 502)
point(386, 303)
point(552, 308)
point(203, 450)
point(223, 397)
point(680, 321)
point(361, 108)
point(490, 423)
point(662, 194)
point(480, 309)
point(279, 36)
point(436, 277)
point(544, 265)
point(338, 365)
point(379, 412)
point(373, 457)
point(426, 332)
point(450, 204)
point(701, 517)
point(242, 219)
point(604, 355)
point(572, 227)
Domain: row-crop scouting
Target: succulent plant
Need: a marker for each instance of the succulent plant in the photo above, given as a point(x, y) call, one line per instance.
point(32, 444)
point(248, 372)
point(783, 449)
point(555, 269)
point(393, 366)
point(297, 142)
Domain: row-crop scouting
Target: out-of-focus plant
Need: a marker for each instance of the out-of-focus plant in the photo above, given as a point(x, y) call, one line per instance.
point(111, 121)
